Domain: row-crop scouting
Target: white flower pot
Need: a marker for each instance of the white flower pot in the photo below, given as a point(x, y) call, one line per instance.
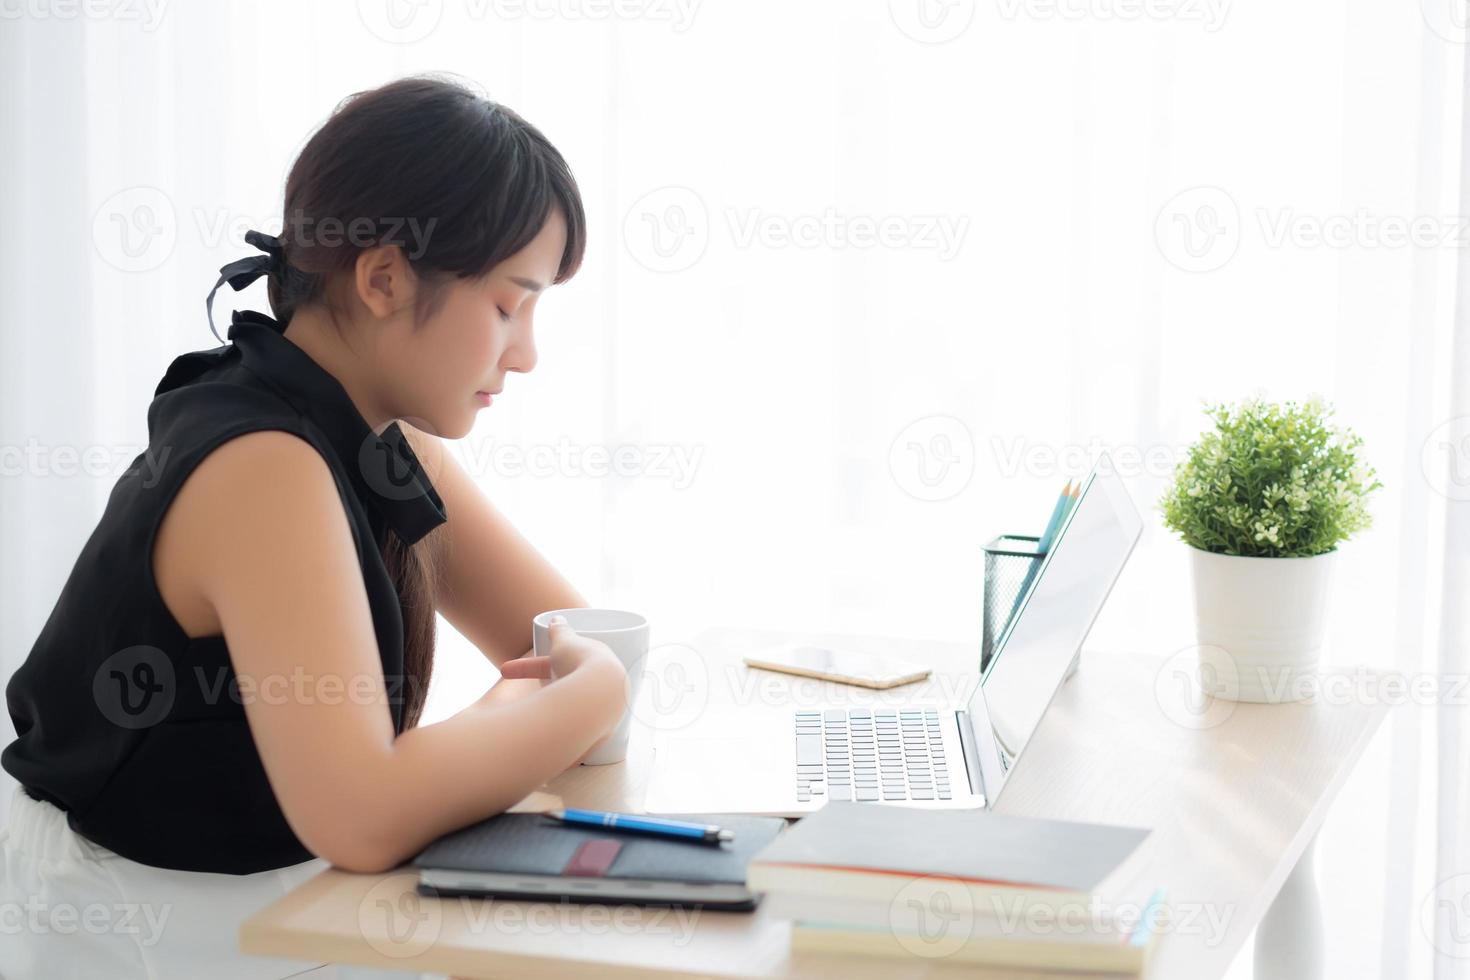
point(1260, 623)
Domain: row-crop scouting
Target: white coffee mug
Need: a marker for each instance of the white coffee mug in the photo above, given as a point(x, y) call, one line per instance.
point(626, 634)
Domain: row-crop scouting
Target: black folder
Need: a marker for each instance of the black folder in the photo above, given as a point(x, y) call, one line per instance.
point(528, 856)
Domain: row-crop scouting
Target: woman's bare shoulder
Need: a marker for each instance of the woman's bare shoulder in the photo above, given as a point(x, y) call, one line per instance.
point(249, 490)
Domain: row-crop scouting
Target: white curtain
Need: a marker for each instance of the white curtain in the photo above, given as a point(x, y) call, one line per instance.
point(867, 281)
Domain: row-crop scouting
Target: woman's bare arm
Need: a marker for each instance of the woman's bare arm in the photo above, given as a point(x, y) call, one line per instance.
point(271, 551)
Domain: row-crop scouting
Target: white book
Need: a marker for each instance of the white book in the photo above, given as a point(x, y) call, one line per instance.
point(876, 853)
point(1098, 941)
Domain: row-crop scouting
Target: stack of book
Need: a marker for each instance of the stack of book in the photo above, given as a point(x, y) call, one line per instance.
point(965, 886)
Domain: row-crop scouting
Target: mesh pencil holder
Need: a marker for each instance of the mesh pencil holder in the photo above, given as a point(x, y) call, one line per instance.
point(1011, 561)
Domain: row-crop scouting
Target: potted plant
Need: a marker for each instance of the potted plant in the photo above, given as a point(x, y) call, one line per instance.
point(1263, 500)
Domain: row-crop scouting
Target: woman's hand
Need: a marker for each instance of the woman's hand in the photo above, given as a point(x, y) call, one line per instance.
point(526, 667)
point(568, 651)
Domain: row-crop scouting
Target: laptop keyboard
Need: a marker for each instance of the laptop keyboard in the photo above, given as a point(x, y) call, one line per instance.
point(870, 754)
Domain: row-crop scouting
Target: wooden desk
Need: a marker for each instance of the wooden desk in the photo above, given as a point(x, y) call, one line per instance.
point(1234, 794)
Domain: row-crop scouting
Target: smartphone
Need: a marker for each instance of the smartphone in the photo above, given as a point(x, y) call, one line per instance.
point(843, 666)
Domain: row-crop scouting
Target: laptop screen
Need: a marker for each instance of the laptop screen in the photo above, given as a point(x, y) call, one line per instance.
point(1037, 649)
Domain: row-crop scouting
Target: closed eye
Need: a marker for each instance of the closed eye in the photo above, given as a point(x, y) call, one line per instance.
point(503, 315)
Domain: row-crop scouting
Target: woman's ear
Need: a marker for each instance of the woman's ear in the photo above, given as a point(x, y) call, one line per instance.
point(384, 281)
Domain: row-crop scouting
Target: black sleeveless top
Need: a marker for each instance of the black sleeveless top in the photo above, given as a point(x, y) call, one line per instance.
point(136, 730)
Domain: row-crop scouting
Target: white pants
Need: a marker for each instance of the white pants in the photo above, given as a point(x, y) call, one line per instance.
point(71, 910)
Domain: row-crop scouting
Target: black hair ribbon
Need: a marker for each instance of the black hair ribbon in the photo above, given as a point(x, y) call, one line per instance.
point(242, 272)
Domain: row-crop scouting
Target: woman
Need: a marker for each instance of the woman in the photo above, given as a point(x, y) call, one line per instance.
point(226, 696)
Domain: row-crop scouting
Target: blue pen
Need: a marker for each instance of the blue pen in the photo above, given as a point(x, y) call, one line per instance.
point(638, 823)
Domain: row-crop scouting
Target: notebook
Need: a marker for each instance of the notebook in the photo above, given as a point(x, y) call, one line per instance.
point(861, 851)
point(527, 856)
point(1100, 942)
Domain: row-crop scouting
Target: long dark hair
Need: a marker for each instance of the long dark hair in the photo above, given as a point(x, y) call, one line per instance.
point(460, 183)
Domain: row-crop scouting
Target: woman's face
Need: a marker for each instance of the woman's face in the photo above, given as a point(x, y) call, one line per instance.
point(481, 333)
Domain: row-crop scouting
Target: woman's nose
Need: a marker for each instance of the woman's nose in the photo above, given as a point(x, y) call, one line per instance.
point(521, 355)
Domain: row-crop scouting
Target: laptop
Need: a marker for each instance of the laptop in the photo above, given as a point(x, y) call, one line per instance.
point(789, 762)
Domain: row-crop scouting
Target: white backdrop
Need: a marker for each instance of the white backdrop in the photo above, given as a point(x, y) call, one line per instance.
point(867, 282)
